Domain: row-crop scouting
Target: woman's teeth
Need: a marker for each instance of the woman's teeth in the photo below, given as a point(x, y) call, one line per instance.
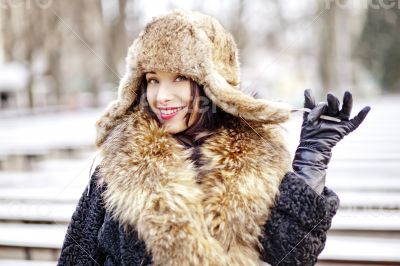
point(168, 112)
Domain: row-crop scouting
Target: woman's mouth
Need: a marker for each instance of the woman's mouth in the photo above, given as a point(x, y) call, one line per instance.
point(168, 113)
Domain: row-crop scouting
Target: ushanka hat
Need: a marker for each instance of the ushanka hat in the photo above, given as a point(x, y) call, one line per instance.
point(196, 46)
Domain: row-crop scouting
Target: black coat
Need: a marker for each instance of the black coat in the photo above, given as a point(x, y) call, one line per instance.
point(295, 234)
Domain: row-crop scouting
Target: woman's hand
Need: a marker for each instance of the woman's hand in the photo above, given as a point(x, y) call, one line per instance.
point(319, 136)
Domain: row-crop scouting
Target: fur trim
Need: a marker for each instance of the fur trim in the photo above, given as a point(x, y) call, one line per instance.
point(211, 215)
point(197, 46)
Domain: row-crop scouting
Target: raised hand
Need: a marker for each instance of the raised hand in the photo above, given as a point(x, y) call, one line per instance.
point(324, 134)
point(318, 136)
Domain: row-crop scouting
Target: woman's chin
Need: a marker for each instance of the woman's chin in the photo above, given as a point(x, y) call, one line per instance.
point(173, 128)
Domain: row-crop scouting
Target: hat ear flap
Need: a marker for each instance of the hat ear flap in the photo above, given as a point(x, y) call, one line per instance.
point(237, 103)
point(129, 88)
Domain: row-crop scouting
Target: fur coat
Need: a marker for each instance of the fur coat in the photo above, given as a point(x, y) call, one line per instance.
point(239, 205)
point(147, 189)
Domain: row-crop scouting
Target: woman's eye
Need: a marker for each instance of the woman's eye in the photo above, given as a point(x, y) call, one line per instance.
point(180, 78)
point(150, 81)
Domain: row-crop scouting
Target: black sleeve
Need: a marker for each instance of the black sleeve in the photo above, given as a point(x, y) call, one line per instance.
point(80, 245)
point(295, 233)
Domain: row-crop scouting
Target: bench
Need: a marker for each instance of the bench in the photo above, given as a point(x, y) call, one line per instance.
point(27, 263)
point(31, 241)
point(32, 235)
point(370, 183)
point(49, 212)
point(361, 249)
point(369, 200)
point(368, 220)
point(41, 194)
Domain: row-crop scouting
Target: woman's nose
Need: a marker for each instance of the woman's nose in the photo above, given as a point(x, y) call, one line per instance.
point(164, 94)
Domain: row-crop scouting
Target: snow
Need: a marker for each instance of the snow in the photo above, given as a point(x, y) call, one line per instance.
point(14, 76)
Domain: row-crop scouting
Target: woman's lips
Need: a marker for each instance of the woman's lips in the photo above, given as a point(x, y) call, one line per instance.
point(168, 113)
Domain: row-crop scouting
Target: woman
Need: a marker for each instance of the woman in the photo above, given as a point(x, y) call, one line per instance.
point(193, 171)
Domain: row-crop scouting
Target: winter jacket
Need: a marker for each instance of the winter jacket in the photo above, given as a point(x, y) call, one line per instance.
point(148, 203)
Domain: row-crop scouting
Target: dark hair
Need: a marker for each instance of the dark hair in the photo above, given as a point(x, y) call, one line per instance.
point(209, 120)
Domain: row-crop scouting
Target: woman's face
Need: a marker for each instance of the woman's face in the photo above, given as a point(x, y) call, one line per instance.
point(168, 95)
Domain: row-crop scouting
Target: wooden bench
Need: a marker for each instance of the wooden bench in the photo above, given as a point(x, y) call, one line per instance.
point(37, 180)
point(32, 235)
point(368, 220)
point(369, 200)
point(27, 263)
point(351, 248)
point(31, 241)
point(363, 183)
point(49, 212)
point(41, 194)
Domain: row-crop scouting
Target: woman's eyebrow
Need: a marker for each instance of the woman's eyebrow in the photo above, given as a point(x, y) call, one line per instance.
point(150, 73)
point(154, 73)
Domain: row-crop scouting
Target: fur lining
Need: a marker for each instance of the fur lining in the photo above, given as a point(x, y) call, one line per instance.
point(222, 94)
point(211, 215)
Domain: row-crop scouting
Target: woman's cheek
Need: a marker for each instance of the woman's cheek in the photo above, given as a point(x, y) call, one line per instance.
point(151, 99)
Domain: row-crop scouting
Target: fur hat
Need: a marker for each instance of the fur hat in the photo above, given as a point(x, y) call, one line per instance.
point(197, 46)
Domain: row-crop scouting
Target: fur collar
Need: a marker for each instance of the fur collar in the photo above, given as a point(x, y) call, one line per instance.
point(210, 215)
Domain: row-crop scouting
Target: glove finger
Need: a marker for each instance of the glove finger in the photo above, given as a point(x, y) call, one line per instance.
point(358, 119)
point(309, 101)
point(317, 112)
point(347, 105)
point(333, 105)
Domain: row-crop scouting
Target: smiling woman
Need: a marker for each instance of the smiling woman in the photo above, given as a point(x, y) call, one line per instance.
point(194, 171)
point(181, 106)
point(169, 97)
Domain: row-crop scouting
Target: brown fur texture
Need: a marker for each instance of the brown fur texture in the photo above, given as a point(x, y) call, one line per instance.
point(188, 215)
point(211, 215)
point(197, 46)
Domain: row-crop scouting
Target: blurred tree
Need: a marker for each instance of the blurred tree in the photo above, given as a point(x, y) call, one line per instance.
point(6, 41)
point(379, 45)
point(327, 44)
point(76, 48)
point(115, 39)
point(237, 25)
point(51, 47)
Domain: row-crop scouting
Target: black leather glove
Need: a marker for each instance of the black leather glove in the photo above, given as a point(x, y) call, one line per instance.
point(319, 136)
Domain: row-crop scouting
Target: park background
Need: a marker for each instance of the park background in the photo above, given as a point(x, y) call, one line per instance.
point(61, 62)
